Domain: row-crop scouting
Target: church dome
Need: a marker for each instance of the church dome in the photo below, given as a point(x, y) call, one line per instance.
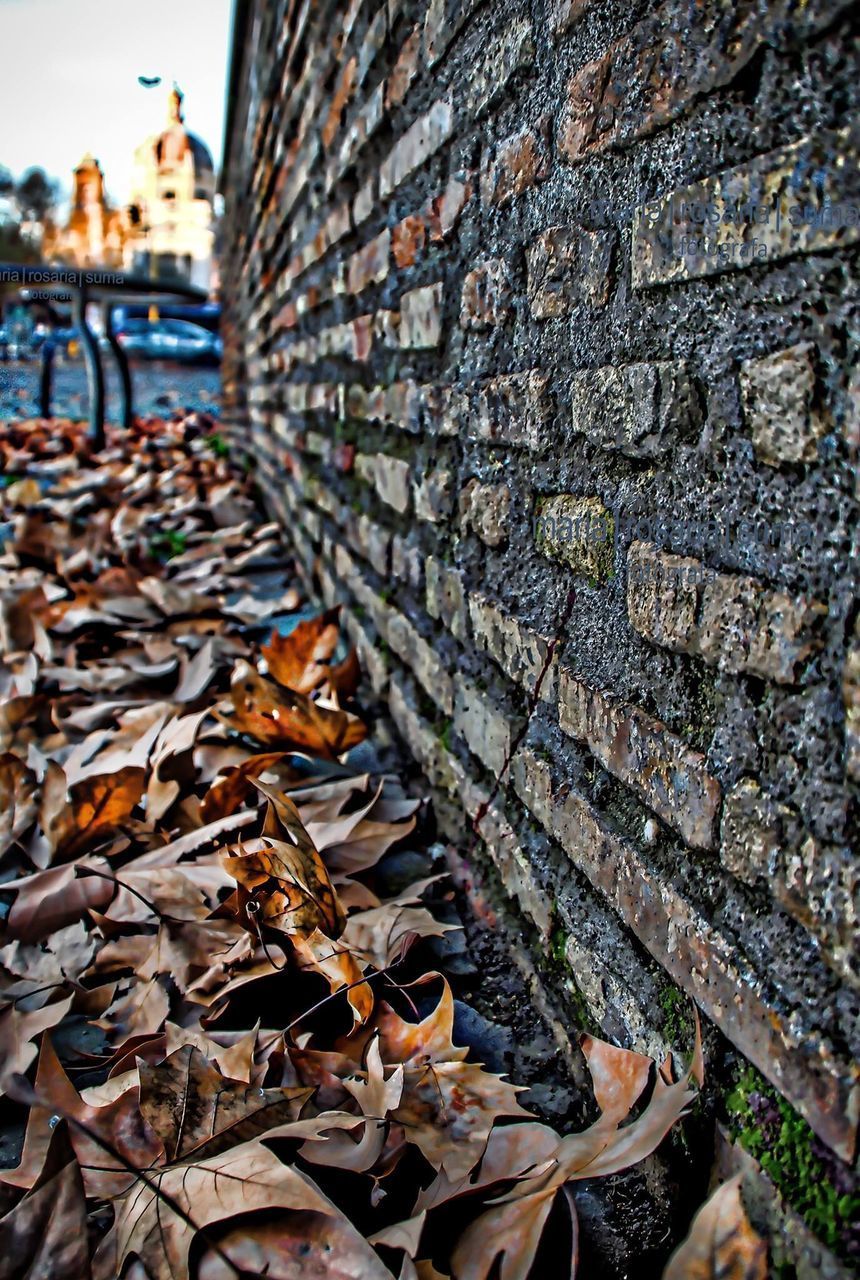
point(203, 162)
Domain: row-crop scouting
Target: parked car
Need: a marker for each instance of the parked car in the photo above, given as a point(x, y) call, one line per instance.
point(169, 340)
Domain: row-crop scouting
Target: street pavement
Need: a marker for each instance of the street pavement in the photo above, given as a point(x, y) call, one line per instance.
point(160, 388)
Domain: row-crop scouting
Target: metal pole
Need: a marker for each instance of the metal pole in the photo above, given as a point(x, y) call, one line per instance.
point(95, 373)
point(126, 409)
point(46, 376)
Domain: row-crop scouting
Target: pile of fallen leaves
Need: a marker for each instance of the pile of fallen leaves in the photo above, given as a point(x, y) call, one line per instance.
point(210, 1014)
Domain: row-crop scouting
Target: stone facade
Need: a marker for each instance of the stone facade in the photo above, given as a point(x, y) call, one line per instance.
point(539, 331)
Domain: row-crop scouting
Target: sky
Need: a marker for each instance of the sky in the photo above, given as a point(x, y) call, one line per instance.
point(69, 80)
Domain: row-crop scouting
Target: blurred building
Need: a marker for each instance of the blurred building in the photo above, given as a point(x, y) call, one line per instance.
point(171, 210)
point(95, 234)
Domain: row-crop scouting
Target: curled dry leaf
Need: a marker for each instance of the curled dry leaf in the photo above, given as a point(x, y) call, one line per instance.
point(298, 661)
point(51, 899)
point(96, 807)
point(284, 875)
point(227, 793)
point(281, 719)
point(196, 1110)
point(240, 1181)
point(721, 1245)
point(18, 799)
point(335, 961)
point(48, 1227)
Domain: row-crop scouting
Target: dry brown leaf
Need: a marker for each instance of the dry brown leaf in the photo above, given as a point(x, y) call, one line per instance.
point(225, 795)
point(139, 1011)
point(721, 1245)
point(18, 800)
point(298, 661)
point(51, 899)
point(244, 1179)
point(118, 1123)
point(417, 1043)
point(448, 1110)
point(18, 1029)
point(337, 964)
point(379, 935)
point(96, 807)
point(196, 1110)
point(47, 1230)
point(279, 718)
point(296, 1243)
point(284, 875)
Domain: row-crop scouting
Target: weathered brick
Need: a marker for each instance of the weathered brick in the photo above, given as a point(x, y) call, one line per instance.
point(443, 769)
point(392, 479)
point(434, 495)
point(371, 659)
point(652, 74)
point(820, 1085)
point(729, 620)
point(640, 409)
point(362, 205)
point(404, 70)
point(484, 727)
point(505, 53)
point(646, 756)
point(445, 209)
point(663, 596)
point(764, 843)
point(407, 239)
point(421, 317)
point(744, 627)
point(372, 540)
point(370, 264)
point(445, 597)
point(747, 228)
point(407, 562)
point(568, 266)
point(514, 868)
point(851, 699)
point(521, 653)
point(532, 781)
point(752, 832)
point(514, 409)
point(420, 141)
point(778, 393)
point(564, 14)
point(514, 165)
point(577, 531)
point(485, 508)
point(422, 659)
point(341, 96)
point(486, 298)
point(443, 21)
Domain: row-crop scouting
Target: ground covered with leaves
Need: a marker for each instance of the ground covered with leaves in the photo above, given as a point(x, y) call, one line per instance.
point(224, 1039)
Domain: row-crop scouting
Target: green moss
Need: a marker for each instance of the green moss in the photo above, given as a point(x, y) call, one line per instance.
point(163, 546)
point(677, 1020)
point(822, 1191)
point(445, 734)
point(558, 964)
point(218, 445)
point(557, 946)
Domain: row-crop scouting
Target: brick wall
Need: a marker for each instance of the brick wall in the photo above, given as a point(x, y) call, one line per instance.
point(542, 334)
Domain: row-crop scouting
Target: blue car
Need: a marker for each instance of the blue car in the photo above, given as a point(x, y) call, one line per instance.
point(169, 340)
